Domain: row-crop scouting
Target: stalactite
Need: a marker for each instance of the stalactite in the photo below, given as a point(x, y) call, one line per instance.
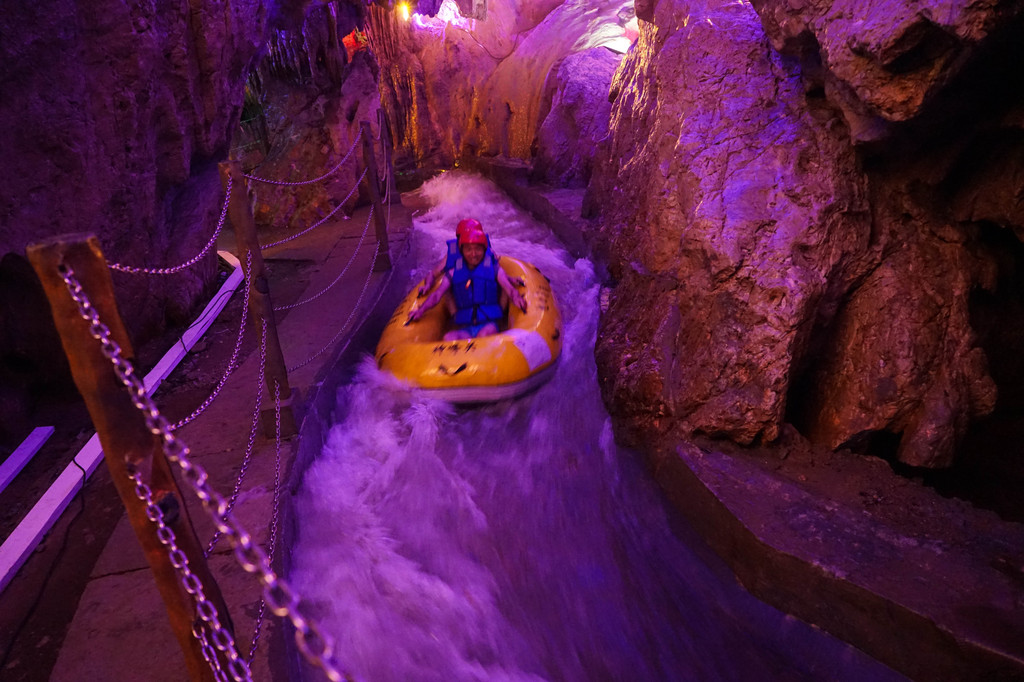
point(308, 53)
point(335, 63)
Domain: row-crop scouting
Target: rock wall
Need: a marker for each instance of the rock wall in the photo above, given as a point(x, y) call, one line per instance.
point(884, 61)
point(577, 119)
point(306, 100)
point(791, 238)
point(115, 115)
point(456, 86)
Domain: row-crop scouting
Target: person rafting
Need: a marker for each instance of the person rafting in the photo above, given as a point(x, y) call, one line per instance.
point(464, 227)
point(477, 284)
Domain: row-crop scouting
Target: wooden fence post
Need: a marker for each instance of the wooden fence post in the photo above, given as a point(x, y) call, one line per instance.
point(387, 143)
point(123, 433)
point(261, 308)
point(383, 261)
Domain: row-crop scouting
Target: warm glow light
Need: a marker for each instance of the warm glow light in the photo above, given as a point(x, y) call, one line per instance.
point(403, 11)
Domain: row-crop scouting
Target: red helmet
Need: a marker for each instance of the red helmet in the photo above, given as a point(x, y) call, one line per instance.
point(465, 226)
point(473, 237)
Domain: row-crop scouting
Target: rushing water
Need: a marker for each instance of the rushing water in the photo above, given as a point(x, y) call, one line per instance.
point(516, 541)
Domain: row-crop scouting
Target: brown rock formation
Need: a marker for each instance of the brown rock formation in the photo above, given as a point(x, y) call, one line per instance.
point(733, 213)
point(767, 271)
point(456, 86)
point(883, 61)
point(305, 106)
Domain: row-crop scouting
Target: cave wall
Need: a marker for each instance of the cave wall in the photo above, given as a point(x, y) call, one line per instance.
point(577, 118)
point(457, 86)
point(307, 97)
point(793, 202)
point(115, 115)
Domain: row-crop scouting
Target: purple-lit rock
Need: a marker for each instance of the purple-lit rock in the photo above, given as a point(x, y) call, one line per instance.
point(115, 115)
point(461, 87)
point(311, 107)
point(763, 275)
point(733, 206)
point(578, 120)
point(883, 61)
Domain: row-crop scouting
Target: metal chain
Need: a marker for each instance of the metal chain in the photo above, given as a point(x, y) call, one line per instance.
point(252, 436)
point(264, 247)
point(232, 363)
point(222, 638)
point(310, 182)
point(323, 291)
point(386, 179)
point(355, 307)
point(382, 172)
point(187, 264)
point(274, 514)
point(316, 646)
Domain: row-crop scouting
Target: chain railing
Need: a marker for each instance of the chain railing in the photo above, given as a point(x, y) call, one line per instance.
point(192, 261)
point(274, 516)
point(252, 436)
point(222, 637)
point(326, 175)
point(233, 362)
point(344, 326)
point(316, 646)
point(215, 639)
point(322, 220)
point(352, 259)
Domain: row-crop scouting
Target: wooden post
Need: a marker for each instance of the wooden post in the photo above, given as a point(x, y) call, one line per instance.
point(387, 143)
point(261, 308)
point(122, 431)
point(383, 261)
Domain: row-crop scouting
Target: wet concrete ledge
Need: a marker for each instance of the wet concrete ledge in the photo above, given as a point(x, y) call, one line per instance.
point(929, 610)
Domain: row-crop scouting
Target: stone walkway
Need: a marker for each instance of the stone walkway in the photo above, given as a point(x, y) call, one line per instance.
point(119, 630)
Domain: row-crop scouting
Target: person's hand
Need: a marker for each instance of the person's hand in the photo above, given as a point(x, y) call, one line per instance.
point(425, 287)
point(518, 300)
point(414, 314)
point(517, 281)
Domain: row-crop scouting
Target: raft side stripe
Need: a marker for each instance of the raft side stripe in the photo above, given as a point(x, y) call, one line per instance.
point(532, 345)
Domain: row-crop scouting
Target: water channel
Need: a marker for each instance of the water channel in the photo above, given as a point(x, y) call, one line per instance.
point(516, 541)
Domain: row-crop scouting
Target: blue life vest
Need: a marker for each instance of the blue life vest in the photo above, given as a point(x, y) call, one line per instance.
point(476, 292)
point(453, 252)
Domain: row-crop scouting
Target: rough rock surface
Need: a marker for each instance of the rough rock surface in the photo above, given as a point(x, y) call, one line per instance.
point(456, 86)
point(306, 104)
point(767, 271)
point(578, 120)
point(731, 209)
point(882, 62)
point(115, 115)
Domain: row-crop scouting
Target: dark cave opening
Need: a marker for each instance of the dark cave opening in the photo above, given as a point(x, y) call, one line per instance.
point(882, 444)
point(988, 471)
point(989, 468)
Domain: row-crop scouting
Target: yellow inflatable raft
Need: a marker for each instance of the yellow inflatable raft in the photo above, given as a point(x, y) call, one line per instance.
point(483, 369)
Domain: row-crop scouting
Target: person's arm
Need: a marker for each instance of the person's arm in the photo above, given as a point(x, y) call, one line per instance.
point(513, 294)
point(431, 278)
point(432, 300)
point(518, 281)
